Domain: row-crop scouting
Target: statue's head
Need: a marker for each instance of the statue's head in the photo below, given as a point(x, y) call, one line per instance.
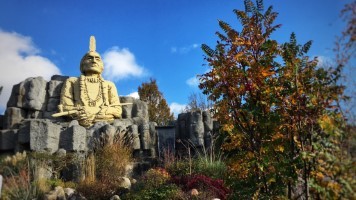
point(91, 62)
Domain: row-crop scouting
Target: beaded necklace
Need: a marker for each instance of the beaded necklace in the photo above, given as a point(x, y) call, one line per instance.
point(84, 88)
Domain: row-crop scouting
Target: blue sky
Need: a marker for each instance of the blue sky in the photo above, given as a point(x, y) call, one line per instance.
point(141, 39)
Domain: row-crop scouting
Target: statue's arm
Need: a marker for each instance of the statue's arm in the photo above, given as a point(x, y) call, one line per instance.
point(114, 99)
point(67, 95)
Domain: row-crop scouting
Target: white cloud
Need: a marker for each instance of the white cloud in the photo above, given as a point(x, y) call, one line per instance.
point(120, 64)
point(134, 95)
point(193, 81)
point(177, 108)
point(184, 49)
point(20, 59)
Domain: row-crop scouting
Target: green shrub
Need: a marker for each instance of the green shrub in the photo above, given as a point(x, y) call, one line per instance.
point(214, 169)
point(155, 184)
point(161, 192)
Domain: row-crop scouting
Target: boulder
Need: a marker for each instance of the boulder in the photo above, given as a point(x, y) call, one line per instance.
point(115, 197)
point(54, 89)
point(15, 99)
point(133, 129)
point(140, 112)
point(59, 78)
point(145, 139)
point(52, 104)
point(125, 182)
point(56, 194)
point(42, 135)
point(33, 91)
point(13, 117)
point(127, 109)
point(69, 192)
point(74, 138)
point(8, 139)
point(122, 124)
point(208, 122)
point(196, 128)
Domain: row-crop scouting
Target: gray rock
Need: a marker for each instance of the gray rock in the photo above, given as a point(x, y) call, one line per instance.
point(60, 193)
point(196, 128)
point(42, 135)
point(50, 196)
point(8, 139)
point(122, 123)
point(115, 197)
point(59, 78)
point(34, 92)
point(133, 129)
point(108, 133)
point(0, 184)
point(23, 134)
point(61, 152)
point(153, 132)
point(127, 109)
point(129, 170)
point(182, 124)
point(2, 120)
point(95, 129)
point(140, 110)
point(73, 123)
point(56, 194)
point(52, 104)
point(33, 114)
point(125, 183)
point(145, 139)
point(74, 138)
point(15, 99)
point(54, 88)
point(13, 117)
point(208, 122)
point(154, 138)
point(69, 192)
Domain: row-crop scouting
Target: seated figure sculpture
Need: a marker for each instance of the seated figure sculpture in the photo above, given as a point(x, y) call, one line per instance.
point(89, 98)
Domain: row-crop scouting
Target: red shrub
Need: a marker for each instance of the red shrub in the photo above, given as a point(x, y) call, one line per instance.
point(202, 182)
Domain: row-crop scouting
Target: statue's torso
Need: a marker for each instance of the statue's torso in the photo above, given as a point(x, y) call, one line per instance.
point(95, 96)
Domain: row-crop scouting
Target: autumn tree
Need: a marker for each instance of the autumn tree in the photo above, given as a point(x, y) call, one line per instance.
point(277, 115)
point(158, 109)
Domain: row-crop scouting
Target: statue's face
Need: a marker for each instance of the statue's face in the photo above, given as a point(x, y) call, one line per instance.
point(92, 64)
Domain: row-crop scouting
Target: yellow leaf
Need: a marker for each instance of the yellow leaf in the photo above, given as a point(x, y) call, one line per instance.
point(280, 148)
point(271, 180)
point(267, 73)
point(319, 175)
point(276, 136)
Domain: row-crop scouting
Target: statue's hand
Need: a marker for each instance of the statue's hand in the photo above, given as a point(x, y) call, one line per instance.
point(84, 113)
point(111, 112)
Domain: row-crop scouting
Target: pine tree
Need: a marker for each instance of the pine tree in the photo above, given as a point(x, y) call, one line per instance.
point(158, 109)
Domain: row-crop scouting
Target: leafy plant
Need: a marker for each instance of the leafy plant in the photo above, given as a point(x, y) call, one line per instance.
point(155, 184)
point(215, 187)
point(278, 117)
